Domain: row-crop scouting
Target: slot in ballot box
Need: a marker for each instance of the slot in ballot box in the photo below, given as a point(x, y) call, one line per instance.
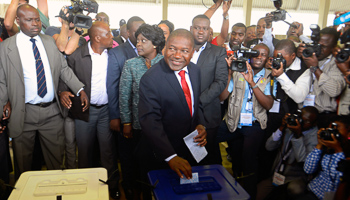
point(71, 184)
point(213, 179)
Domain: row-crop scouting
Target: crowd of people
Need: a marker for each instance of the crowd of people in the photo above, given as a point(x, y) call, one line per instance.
point(71, 100)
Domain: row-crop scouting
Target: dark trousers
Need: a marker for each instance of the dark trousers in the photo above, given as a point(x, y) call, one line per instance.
point(244, 147)
point(86, 135)
point(128, 161)
point(5, 164)
point(212, 147)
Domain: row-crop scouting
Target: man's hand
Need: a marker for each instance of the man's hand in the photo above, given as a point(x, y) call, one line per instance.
point(268, 20)
point(229, 60)
point(284, 122)
point(114, 125)
point(84, 100)
point(127, 130)
point(225, 7)
point(300, 50)
point(180, 166)
point(2, 128)
point(277, 72)
point(347, 75)
point(7, 111)
point(296, 129)
point(201, 138)
point(310, 61)
point(249, 75)
point(64, 12)
point(65, 100)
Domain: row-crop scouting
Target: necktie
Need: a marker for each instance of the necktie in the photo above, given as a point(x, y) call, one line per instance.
point(186, 90)
point(40, 72)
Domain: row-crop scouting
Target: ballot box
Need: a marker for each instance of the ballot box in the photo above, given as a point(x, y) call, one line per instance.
point(215, 182)
point(71, 184)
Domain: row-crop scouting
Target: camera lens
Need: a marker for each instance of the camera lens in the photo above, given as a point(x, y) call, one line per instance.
point(308, 52)
point(342, 56)
point(240, 65)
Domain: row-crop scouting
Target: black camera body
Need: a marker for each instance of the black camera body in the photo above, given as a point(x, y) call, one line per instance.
point(344, 53)
point(276, 62)
point(279, 15)
point(240, 64)
point(291, 119)
point(327, 133)
point(76, 15)
point(314, 46)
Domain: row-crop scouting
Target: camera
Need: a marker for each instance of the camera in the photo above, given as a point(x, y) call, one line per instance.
point(291, 119)
point(76, 15)
point(276, 62)
point(314, 46)
point(344, 53)
point(327, 133)
point(279, 14)
point(242, 56)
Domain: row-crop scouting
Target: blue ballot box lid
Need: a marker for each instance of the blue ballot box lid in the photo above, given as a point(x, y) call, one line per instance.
point(213, 179)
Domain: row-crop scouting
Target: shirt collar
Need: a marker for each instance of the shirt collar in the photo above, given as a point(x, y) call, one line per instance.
point(203, 47)
point(260, 74)
point(185, 68)
point(295, 65)
point(91, 51)
point(131, 44)
point(26, 37)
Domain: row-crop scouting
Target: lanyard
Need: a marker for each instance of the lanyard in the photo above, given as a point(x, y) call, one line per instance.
point(250, 95)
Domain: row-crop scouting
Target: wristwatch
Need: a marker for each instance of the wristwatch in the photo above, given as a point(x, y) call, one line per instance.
point(313, 69)
point(79, 32)
point(227, 17)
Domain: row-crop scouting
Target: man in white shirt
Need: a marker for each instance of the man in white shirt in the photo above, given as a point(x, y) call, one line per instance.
point(25, 57)
point(89, 63)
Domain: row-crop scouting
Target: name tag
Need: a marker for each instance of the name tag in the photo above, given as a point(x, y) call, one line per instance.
point(278, 179)
point(246, 119)
point(276, 107)
point(309, 100)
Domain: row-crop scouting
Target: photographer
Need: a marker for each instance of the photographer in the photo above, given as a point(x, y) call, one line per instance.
point(292, 81)
point(327, 154)
point(244, 123)
point(68, 38)
point(296, 29)
point(295, 139)
point(328, 81)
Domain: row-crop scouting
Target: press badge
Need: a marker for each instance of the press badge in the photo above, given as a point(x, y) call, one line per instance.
point(246, 119)
point(309, 100)
point(276, 107)
point(278, 179)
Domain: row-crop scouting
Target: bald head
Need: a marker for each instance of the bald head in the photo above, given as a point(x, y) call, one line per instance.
point(100, 34)
point(102, 17)
point(182, 33)
point(28, 20)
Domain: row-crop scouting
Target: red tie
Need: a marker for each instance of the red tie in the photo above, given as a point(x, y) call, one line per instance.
point(186, 90)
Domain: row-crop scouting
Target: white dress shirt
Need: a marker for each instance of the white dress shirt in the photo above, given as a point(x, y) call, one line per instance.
point(187, 77)
point(98, 77)
point(25, 49)
point(196, 54)
point(300, 89)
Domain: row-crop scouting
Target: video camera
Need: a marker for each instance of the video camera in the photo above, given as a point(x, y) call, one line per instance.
point(291, 119)
point(314, 46)
point(76, 15)
point(344, 53)
point(276, 62)
point(242, 55)
point(327, 133)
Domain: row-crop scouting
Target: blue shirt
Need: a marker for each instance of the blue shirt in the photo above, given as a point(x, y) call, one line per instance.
point(328, 178)
point(249, 92)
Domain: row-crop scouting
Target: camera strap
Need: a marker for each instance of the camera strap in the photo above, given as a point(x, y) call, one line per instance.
point(278, 177)
point(250, 96)
point(271, 91)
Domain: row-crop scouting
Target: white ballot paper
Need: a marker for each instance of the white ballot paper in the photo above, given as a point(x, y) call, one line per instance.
point(198, 152)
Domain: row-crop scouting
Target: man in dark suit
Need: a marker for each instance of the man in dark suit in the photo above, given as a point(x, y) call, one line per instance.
point(123, 36)
point(170, 108)
point(89, 63)
point(116, 60)
point(25, 57)
point(214, 72)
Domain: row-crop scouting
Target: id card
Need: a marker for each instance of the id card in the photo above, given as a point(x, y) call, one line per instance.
point(276, 107)
point(278, 179)
point(309, 100)
point(246, 119)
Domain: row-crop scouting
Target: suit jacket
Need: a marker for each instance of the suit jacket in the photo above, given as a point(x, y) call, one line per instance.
point(214, 74)
point(118, 39)
point(12, 79)
point(80, 62)
point(163, 111)
point(116, 59)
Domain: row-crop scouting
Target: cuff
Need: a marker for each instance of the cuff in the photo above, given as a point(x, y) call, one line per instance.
point(277, 135)
point(170, 157)
point(79, 91)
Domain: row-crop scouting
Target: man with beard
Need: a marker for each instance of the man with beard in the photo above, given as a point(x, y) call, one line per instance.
point(211, 60)
point(244, 123)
